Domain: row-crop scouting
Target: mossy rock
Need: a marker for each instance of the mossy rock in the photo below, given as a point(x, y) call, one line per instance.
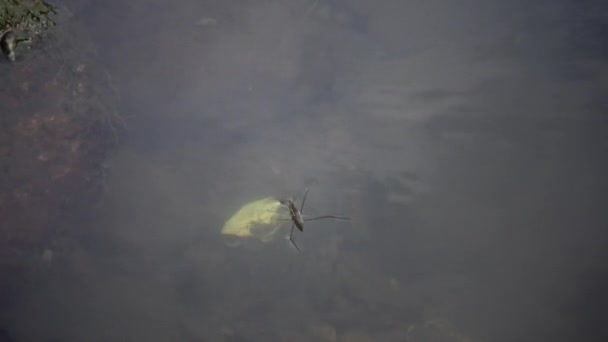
point(30, 16)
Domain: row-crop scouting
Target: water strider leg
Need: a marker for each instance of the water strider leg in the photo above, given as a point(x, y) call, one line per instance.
point(327, 216)
point(291, 238)
point(303, 200)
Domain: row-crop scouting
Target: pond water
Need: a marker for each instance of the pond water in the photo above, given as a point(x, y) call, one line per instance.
point(465, 142)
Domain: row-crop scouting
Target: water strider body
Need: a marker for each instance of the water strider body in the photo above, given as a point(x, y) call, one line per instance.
point(296, 215)
point(298, 220)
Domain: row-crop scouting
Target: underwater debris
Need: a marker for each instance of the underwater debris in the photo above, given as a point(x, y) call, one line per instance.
point(8, 43)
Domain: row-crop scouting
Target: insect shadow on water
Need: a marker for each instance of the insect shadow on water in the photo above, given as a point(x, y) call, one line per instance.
point(297, 219)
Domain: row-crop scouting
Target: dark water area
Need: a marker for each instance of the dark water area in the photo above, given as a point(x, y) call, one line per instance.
point(465, 141)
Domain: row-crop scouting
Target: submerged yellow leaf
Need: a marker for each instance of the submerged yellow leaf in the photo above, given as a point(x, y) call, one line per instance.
point(258, 219)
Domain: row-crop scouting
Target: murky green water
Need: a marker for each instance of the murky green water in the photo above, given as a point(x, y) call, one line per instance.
point(464, 141)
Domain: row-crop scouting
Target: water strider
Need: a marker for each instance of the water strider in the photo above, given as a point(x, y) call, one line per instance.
point(297, 218)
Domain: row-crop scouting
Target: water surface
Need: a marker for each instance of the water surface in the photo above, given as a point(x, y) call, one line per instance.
point(465, 141)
